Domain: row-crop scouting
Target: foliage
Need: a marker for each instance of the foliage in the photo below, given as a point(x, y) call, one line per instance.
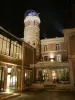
point(64, 76)
point(40, 76)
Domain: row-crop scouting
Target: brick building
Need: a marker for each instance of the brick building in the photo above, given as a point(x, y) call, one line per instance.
point(15, 59)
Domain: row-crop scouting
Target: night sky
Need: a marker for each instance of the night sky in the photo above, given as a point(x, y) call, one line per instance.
point(55, 16)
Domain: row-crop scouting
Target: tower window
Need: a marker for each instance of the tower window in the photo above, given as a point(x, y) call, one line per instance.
point(28, 23)
point(34, 22)
point(57, 46)
point(45, 47)
point(33, 43)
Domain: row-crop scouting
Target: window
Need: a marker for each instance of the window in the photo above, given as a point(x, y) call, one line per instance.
point(58, 57)
point(1, 44)
point(20, 52)
point(34, 22)
point(45, 58)
point(28, 78)
point(10, 47)
point(33, 43)
point(4, 45)
point(45, 47)
point(57, 46)
point(28, 23)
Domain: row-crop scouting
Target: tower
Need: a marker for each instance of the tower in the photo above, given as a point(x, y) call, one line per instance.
point(32, 30)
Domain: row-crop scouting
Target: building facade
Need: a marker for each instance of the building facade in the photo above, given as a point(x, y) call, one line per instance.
point(15, 58)
point(31, 60)
point(54, 49)
point(52, 53)
point(54, 61)
point(69, 35)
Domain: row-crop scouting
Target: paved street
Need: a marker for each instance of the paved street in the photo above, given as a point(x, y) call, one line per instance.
point(46, 95)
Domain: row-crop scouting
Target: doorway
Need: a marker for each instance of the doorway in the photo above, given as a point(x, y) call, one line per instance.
point(12, 79)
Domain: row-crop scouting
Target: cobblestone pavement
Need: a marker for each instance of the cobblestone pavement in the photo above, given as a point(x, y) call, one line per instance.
point(46, 95)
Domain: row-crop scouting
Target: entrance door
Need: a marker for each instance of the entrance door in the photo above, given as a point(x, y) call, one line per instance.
point(28, 76)
point(12, 79)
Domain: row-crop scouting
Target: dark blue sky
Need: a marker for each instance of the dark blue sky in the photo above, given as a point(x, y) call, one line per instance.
point(54, 14)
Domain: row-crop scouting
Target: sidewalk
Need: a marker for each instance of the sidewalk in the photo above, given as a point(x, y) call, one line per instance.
point(5, 96)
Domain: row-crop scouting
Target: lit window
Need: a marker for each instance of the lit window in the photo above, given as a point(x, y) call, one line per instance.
point(58, 57)
point(0, 44)
point(4, 46)
point(9, 70)
point(57, 46)
point(53, 74)
point(45, 47)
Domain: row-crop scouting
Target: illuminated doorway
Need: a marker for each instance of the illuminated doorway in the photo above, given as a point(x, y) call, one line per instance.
point(12, 79)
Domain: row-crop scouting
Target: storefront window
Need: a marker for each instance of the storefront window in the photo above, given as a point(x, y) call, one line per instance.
point(28, 77)
point(12, 78)
point(10, 47)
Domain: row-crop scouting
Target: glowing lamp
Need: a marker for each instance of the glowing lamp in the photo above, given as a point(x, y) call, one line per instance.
point(51, 55)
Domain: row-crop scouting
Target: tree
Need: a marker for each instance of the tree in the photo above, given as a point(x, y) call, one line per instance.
point(40, 76)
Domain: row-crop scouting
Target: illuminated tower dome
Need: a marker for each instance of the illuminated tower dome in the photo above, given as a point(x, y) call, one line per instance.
point(32, 30)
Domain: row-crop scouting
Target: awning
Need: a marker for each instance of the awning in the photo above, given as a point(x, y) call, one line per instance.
point(51, 65)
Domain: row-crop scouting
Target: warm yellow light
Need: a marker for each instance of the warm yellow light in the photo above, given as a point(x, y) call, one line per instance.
point(25, 74)
point(17, 53)
point(7, 90)
point(53, 74)
point(14, 79)
point(8, 80)
point(51, 55)
point(52, 60)
point(9, 70)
